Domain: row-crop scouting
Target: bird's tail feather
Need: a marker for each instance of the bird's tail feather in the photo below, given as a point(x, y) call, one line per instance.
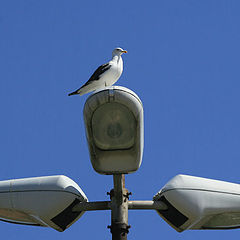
point(74, 93)
point(83, 90)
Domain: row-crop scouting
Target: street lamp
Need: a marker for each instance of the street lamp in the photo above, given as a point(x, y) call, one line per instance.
point(114, 129)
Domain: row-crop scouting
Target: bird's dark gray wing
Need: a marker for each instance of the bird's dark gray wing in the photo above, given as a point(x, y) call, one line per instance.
point(96, 76)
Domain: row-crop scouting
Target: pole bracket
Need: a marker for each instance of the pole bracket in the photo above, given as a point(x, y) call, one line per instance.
point(119, 228)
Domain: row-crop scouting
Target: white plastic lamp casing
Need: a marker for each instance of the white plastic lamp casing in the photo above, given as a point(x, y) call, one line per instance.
point(41, 201)
point(200, 203)
point(114, 127)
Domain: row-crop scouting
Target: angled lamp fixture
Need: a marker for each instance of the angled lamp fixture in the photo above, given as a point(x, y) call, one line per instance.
point(41, 201)
point(200, 203)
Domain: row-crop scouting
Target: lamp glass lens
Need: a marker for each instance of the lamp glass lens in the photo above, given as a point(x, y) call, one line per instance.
point(113, 127)
point(225, 220)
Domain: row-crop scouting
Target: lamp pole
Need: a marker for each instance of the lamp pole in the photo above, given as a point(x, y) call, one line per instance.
point(119, 208)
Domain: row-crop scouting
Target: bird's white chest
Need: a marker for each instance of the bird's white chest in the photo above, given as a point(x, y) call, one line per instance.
point(111, 76)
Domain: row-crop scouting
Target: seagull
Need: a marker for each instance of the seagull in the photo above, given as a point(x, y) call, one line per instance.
point(105, 75)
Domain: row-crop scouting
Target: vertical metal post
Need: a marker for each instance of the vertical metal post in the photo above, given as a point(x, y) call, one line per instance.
point(119, 208)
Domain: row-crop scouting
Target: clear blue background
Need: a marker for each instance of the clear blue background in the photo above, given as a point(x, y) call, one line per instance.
point(183, 62)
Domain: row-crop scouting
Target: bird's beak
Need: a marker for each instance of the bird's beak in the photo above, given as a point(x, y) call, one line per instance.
point(124, 51)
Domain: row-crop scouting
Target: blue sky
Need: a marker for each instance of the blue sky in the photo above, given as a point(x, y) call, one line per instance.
point(182, 61)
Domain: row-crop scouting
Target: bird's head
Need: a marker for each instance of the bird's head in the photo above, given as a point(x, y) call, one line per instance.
point(118, 51)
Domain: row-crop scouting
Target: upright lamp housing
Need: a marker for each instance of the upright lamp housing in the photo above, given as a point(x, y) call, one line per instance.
point(114, 128)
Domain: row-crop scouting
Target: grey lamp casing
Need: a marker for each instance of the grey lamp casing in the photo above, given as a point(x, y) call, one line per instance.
point(200, 203)
point(41, 201)
point(114, 129)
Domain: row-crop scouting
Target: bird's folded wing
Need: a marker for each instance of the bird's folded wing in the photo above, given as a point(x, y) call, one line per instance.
point(96, 75)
